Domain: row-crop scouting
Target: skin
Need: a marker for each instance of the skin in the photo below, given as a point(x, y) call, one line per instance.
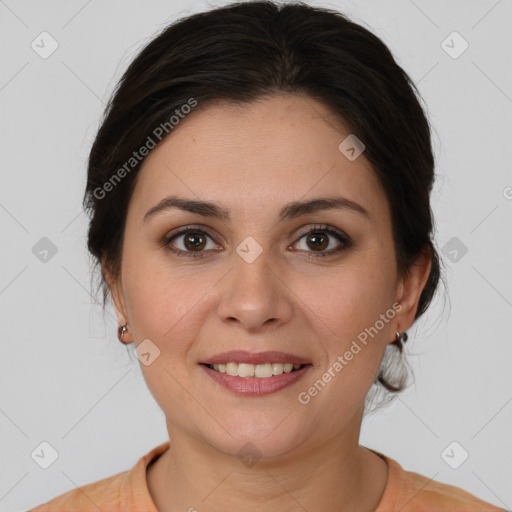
point(254, 159)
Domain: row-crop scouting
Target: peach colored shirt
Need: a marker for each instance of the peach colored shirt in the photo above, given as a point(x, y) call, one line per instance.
point(406, 491)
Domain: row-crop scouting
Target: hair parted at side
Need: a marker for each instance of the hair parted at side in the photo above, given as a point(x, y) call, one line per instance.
point(243, 52)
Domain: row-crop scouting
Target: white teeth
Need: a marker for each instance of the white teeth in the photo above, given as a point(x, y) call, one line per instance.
point(231, 369)
point(277, 368)
point(261, 371)
point(245, 370)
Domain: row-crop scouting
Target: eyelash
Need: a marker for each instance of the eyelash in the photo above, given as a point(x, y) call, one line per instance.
point(345, 241)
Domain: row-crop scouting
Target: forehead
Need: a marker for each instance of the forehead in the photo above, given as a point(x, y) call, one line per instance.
point(273, 151)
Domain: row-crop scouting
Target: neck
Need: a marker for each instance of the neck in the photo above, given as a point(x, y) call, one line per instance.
point(335, 476)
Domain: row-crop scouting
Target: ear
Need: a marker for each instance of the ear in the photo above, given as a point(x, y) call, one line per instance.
point(116, 292)
point(410, 288)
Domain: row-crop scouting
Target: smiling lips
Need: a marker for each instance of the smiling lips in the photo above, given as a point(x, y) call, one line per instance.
point(256, 373)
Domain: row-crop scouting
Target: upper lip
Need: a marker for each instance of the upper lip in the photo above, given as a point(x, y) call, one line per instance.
point(242, 356)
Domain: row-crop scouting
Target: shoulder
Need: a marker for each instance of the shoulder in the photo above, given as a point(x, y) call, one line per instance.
point(408, 491)
point(122, 492)
point(418, 490)
point(93, 496)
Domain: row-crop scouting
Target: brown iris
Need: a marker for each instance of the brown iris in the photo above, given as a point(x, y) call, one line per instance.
point(317, 242)
point(191, 240)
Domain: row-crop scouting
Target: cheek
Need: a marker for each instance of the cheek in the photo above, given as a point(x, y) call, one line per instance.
point(347, 317)
point(160, 299)
point(346, 300)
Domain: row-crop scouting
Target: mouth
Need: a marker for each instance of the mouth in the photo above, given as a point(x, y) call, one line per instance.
point(255, 374)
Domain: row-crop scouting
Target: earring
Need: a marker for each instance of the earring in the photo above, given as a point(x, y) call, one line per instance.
point(122, 329)
point(401, 338)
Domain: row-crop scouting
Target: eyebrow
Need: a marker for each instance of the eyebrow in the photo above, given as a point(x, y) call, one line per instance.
point(289, 211)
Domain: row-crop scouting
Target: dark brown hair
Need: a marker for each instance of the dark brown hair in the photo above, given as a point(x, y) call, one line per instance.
point(248, 50)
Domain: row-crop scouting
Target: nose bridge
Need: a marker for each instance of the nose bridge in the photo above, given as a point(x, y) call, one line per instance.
point(252, 263)
point(254, 293)
point(252, 278)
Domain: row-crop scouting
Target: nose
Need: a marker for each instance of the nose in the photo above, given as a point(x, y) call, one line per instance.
point(255, 295)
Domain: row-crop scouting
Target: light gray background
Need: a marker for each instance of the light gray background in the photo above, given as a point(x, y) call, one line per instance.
point(65, 378)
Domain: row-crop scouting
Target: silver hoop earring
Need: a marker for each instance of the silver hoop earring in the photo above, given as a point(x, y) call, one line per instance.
point(120, 332)
point(401, 338)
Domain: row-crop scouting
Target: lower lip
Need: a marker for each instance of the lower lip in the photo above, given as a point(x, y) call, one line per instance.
point(254, 386)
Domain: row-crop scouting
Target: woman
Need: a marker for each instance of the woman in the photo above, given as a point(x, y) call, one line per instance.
point(259, 198)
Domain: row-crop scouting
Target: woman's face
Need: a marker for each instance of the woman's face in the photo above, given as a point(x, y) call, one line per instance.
point(254, 281)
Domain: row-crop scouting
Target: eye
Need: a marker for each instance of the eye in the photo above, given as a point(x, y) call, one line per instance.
point(318, 239)
point(193, 242)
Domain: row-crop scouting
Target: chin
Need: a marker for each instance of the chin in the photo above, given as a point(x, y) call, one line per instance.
point(253, 441)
